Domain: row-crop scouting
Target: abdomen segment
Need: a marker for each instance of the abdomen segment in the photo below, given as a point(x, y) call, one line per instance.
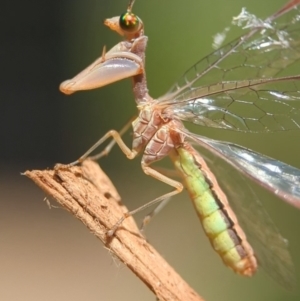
point(218, 220)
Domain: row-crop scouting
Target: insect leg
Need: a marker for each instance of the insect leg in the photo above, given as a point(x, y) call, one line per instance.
point(117, 138)
point(108, 148)
point(157, 175)
point(160, 206)
point(154, 212)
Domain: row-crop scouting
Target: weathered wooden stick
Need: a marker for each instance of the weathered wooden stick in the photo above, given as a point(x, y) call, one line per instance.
point(89, 195)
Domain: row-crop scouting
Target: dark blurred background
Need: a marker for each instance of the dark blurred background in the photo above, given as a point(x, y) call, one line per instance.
point(47, 254)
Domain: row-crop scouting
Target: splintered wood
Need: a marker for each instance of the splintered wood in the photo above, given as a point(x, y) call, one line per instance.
point(89, 195)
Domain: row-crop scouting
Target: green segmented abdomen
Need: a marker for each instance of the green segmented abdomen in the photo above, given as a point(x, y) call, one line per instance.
point(218, 220)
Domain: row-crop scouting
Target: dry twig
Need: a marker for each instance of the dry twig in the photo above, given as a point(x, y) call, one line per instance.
point(89, 195)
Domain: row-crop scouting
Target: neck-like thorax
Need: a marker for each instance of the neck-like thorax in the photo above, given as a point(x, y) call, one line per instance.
point(140, 89)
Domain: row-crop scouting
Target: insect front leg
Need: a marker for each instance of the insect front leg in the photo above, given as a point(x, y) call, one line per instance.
point(115, 65)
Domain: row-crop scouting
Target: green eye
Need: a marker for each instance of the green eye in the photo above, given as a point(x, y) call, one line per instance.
point(129, 22)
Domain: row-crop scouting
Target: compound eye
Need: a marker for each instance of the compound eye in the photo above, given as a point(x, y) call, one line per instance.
point(129, 22)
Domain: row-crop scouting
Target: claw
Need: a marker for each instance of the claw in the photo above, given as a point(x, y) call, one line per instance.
point(101, 75)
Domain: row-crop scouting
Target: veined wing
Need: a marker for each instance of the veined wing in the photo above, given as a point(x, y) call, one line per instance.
point(269, 246)
point(278, 177)
point(267, 49)
point(265, 105)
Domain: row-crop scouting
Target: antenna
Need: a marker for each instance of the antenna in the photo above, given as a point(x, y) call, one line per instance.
point(130, 5)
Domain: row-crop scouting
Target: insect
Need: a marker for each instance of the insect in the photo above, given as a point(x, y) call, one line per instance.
point(237, 87)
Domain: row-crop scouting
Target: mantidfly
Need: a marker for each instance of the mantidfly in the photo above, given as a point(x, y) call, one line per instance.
point(247, 95)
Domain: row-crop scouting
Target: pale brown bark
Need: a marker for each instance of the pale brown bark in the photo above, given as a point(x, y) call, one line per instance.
point(89, 195)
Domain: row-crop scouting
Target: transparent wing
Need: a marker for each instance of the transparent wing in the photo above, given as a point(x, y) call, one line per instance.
point(267, 49)
point(279, 178)
point(270, 247)
point(249, 106)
